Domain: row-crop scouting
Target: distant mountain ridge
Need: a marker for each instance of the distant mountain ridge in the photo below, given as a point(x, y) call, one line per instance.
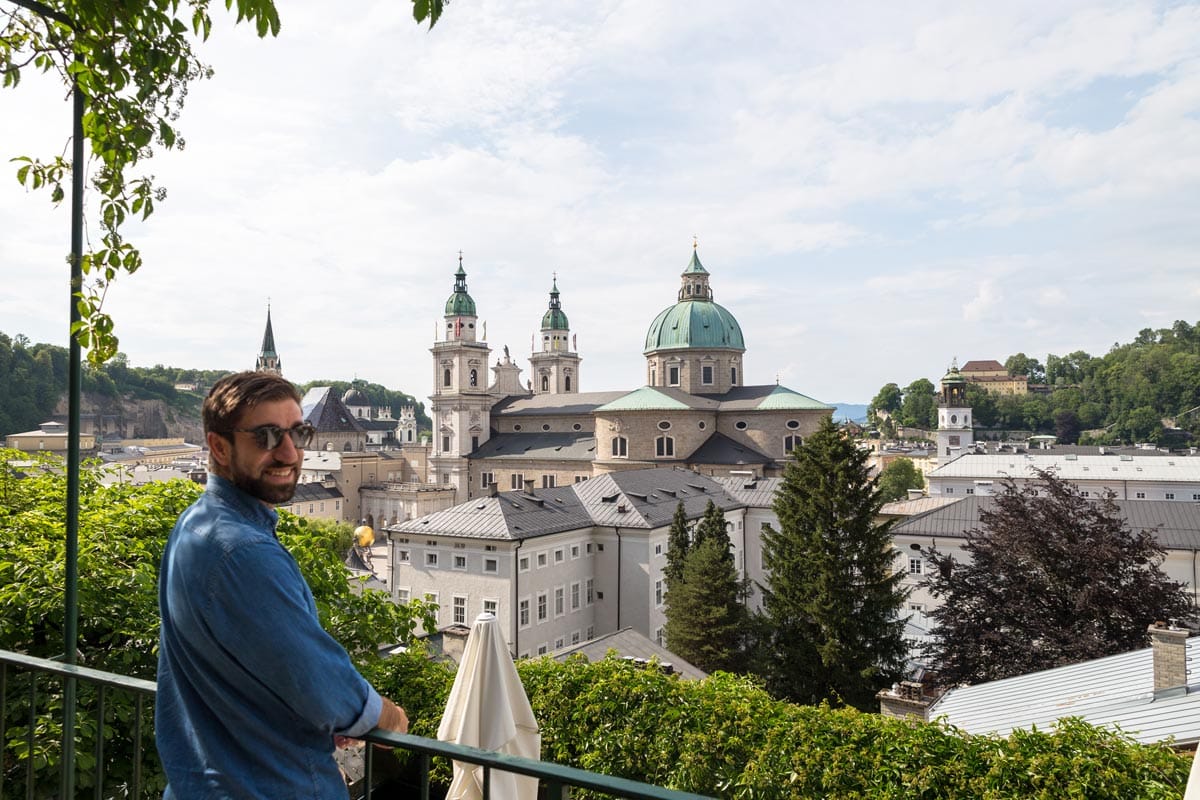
point(854, 412)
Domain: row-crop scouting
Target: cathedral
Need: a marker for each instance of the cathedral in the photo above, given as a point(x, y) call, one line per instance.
point(694, 412)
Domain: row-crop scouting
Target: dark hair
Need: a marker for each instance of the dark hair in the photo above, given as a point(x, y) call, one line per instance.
point(236, 394)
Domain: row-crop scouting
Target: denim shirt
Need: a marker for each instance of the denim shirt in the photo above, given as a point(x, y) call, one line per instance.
point(251, 689)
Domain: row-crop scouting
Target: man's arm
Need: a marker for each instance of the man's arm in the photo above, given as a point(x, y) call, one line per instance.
point(393, 718)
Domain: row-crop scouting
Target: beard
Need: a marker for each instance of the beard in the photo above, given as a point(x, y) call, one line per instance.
point(267, 492)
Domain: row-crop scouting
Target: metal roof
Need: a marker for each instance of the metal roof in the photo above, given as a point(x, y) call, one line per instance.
point(643, 499)
point(1072, 467)
point(543, 404)
point(753, 492)
point(322, 408)
point(628, 643)
point(720, 449)
point(540, 446)
point(1117, 690)
point(768, 397)
point(653, 398)
point(1175, 524)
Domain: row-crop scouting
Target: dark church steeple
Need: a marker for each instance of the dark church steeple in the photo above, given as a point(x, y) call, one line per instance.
point(268, 359)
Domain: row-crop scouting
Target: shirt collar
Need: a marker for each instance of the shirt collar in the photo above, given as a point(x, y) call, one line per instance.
point(249, 505)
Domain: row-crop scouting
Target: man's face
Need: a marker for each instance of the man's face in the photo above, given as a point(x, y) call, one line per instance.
point(269, 475)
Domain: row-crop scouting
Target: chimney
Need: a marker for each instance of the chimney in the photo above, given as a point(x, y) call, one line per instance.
point(529, 485)
point(905, 699)
point(916, 494)
point(1169, 643)
point(492, 489)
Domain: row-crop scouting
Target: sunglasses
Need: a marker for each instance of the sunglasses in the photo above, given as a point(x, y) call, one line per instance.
point(268, 437)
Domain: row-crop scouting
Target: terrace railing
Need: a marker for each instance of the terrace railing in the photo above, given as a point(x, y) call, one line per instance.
point(114, 750)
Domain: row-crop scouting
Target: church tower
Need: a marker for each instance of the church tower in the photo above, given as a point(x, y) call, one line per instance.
point(954, 434)
point(460, 403)
point(268, 359)
point(555, 367)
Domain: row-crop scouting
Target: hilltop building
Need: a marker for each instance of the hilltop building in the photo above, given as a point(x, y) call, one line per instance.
point(992, 376)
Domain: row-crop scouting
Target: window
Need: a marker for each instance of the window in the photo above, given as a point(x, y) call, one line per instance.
point(558, 643)
point(620, 447)
point(591, 632)
point(589, 594)
point(523, 612)
point(664, 446)
point(793, 424)
point(659, 639)
point(558, 555)
point(516, 481)
point(541, 559)
point(549, 481)
point(971, 490)
point(949, 490)
point(474, 443)
point(580, 478)
point(545, 426)
point(486, 479)
point(574, 637)
point(431, 559)
point(915, 566)
point(567, 383)
point(1085, 494)
point(445, 377)
point(460, 610)
point(1140, 495)
point(740, 425)
point(673, 376)
point(460, 561)
point(1196, 496)
point(1170, 495)
point(664, 425)
point(574, 551)
point(918, 607)
point(474, 379)
point(588, 548)
point(576, 426)
point(403, 595)
point(545, 383)
point(491, 565)
point(445, 444)
point(791, 442)
point(733, 375)
point(404, 556)
point(431, 597)
point(706, 374)
point(658, 594)
point(560, 602)
point(541, 606)
point(658, 549)
point(574, 596)
point(523, 564)
point(541, 650)
point(490, 606)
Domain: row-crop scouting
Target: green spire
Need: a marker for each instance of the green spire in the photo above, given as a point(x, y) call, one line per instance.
point(460, 304)
point(554, 319)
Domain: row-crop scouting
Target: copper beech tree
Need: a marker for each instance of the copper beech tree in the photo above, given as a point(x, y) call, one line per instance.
point(1052, 578)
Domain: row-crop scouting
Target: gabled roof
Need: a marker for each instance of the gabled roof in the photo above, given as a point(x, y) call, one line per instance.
point(322, 408)
point(628, 643)
point(558, 446)
point(1176, 525)
point(720, 449)
point(982, 365)
point(312, 492)
point(1071, 467)
point(769, 397)
point(750, 491)
point(640, 499)
point(1117, 690)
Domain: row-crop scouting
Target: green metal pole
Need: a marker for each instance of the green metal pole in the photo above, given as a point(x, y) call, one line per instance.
point(74, 377)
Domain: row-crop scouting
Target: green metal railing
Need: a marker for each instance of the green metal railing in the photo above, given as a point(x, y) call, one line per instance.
point(119, 730)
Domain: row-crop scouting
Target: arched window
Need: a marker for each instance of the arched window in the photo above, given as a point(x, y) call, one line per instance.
point(446, 377)
point(733, 376)
point(545, 383)
point(791, 442)
point(620, 447)
point(567, 382)
point(474, 377)
point(664, 447)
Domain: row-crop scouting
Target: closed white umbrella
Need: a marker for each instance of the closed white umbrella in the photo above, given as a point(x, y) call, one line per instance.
point(488, 709)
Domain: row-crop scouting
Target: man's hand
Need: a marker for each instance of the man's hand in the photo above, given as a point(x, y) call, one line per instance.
point(393, 717)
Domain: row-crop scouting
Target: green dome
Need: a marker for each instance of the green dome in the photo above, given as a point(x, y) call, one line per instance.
point(554, 319)
point(699, 324)
point(953, 376)
point(460, 303)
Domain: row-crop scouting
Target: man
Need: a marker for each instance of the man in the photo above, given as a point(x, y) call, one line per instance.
point(251, 690)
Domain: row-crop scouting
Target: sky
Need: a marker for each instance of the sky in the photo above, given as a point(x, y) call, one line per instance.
point(875, 188)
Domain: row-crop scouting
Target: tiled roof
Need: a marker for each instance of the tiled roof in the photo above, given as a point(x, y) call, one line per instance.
point(997, 466)
point(557, 446)
point(628, 643)
point(981, 366)
point(720, 449)
point(322, 408)
point(1117, 690)
point(1175, 524)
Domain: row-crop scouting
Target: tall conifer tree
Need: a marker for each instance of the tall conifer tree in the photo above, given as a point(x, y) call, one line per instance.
point(830, 628)
point(707, 619)
point(679, 541)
